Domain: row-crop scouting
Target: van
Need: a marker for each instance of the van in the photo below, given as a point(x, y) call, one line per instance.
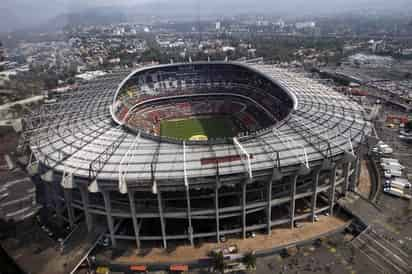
point(385, 150)
point(394, 191)
point(397, 185)
point(389, 173)
point(392, 165)
point(389, 160)
point(401, 181)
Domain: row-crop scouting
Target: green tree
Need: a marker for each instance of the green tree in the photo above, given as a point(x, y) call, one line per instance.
point(151, 54)
point(218, 262)
point(250, 260)
point(408, 126)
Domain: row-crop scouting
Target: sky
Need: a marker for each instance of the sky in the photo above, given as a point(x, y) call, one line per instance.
point(25, 13)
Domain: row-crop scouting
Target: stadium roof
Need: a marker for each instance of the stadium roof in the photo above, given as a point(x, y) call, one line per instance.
point(79, 137)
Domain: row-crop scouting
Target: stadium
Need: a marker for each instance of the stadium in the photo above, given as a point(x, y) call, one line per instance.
point(194, 152)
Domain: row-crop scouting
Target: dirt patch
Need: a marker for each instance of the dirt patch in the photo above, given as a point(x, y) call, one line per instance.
point(279, 236)
point(365, 184)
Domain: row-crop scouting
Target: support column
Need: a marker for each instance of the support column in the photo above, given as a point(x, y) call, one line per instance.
point(315, 193)
point(136, 227)
point(269, 207)
point(47, 194)
point(355, 175)
point(332, 190)
point(57, 202)
point(187, 189)
point(217, 211)
point(292, 201)
point(108, 208)
point(346, 171)
point(85, 200)
point(68, 200)
point(162, 221)
point(189, 216)
point(244, 185)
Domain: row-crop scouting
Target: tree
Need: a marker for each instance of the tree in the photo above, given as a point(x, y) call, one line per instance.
point(408, 126)
point(218, 262)
point(152, 54)
point(250, 260)
point(17, 109)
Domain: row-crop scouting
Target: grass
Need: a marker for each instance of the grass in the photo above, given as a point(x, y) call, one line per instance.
point(211, 127)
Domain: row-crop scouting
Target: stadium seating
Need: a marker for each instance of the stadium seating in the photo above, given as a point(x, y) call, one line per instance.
point(171, 83)
point(148, 117)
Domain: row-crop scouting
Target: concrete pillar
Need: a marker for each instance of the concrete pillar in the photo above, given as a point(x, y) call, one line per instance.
point(162, 220)
point(85, 200)
point(293, 201)
point(269, 207)
point(136, 227)
point(217, 211)
point(47, 194)
point(315, 193)
point(108, 208)
point(346, 171)
point(356, 174)
point(68, 201)
point(244, 185)
point(189, 216)
point(332, 190)
point(57, 202)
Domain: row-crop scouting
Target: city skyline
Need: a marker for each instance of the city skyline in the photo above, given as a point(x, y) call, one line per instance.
point(22, 14)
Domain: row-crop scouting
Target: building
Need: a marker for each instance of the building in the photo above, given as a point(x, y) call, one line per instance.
point(305, 25)
point(377, 46)
point(90, 75)
point(2, 52)
point(406, 52)
point(228, 49)
point(102, 154)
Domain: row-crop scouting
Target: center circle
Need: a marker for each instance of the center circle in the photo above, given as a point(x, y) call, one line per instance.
point(200, 101)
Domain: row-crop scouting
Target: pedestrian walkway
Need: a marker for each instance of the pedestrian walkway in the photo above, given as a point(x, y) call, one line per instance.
point(279, 237)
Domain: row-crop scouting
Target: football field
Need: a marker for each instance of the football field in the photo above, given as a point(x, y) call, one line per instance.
point(198, 128)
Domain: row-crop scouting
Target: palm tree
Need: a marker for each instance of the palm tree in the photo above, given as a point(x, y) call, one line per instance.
point(250, 260)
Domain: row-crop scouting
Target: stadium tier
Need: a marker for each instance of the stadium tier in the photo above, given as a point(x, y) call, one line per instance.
point(195, 151)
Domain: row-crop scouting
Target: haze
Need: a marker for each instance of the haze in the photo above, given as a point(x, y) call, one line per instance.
point(17, 14)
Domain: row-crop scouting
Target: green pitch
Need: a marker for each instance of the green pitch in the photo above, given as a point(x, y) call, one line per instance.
point(210, 127)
